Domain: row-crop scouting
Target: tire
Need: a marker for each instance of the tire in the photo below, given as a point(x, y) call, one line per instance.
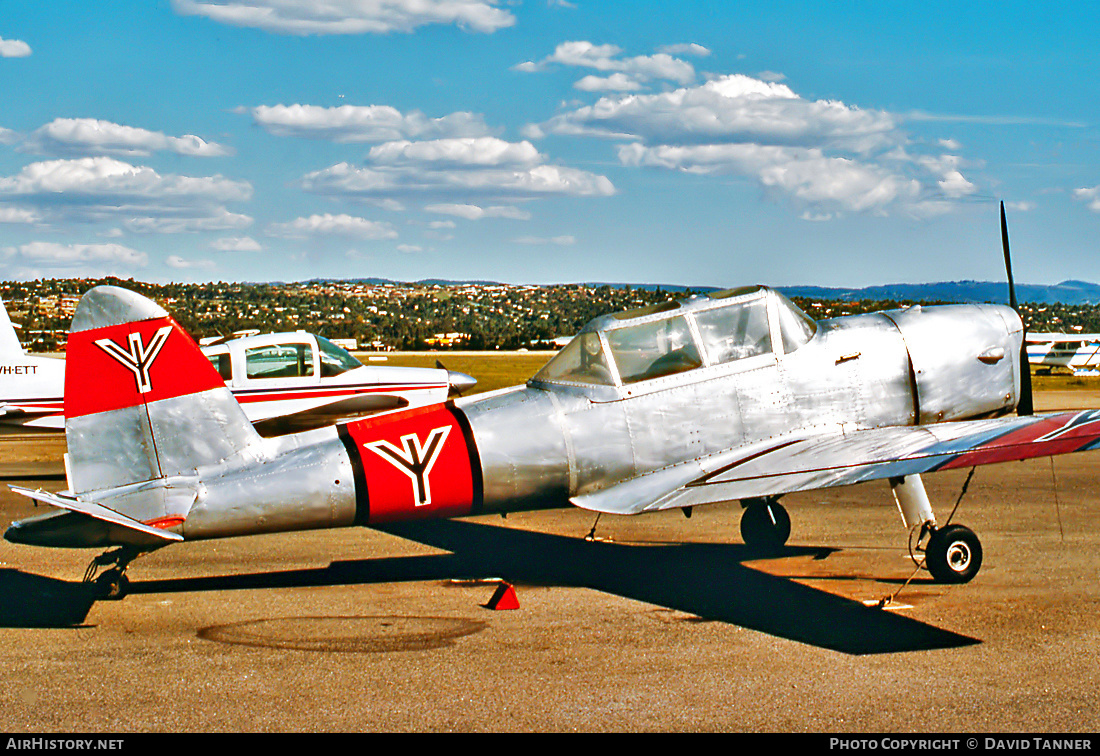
point(765, 525)
point(112, 586)
point(954, 554)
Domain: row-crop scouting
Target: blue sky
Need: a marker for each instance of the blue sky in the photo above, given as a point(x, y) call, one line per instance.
point(696, 143)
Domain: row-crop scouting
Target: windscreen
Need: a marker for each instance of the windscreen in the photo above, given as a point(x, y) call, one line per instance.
point(581, 361)
point(335, 360)
point(796, 326)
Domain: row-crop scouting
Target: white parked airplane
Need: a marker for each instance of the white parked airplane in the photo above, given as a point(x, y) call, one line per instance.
point(1079, 352)
point(283, 381)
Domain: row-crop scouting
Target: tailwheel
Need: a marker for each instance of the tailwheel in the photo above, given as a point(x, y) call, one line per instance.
point(953, 554)
point(113, 584)
point(765, 524)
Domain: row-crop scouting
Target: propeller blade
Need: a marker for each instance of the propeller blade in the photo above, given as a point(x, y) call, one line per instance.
point(1008, 261)
point(1026, 404)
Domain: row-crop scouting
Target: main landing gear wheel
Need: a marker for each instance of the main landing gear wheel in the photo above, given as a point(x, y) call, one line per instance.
point(765, 524)
point(953, 554)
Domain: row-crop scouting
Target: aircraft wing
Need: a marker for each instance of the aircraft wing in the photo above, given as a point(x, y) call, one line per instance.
point(806, 461)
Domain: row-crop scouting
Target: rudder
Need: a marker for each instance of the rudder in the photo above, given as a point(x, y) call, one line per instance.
point(9, 341)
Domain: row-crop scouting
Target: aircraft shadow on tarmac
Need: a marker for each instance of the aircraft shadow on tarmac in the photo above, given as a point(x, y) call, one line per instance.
point(28, 600)
point(709, 581)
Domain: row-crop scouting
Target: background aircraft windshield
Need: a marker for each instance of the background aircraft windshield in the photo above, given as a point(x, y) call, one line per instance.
point(335, 360)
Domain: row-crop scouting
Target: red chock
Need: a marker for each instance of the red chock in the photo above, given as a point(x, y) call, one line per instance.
point(504, 597)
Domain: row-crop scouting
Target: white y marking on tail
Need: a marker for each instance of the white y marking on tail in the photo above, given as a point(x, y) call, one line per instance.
point(139, 358)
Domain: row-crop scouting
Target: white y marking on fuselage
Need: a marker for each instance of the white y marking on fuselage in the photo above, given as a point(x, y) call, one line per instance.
point(414, 459)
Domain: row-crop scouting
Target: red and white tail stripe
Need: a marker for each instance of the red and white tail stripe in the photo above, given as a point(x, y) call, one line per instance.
point(126, 365)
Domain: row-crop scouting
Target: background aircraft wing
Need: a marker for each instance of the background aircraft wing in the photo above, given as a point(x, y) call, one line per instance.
point(1061, 337)
point(786, 464)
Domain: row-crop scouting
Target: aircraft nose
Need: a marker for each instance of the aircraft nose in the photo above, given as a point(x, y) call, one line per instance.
point(459, 382)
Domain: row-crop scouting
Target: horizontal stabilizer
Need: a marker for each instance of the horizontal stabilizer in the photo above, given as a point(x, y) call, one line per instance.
point(96, 511)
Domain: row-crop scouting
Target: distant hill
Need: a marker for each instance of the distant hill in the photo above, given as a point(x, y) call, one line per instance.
point(1066, 292)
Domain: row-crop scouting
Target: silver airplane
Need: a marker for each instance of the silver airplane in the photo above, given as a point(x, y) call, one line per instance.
point(730, 396)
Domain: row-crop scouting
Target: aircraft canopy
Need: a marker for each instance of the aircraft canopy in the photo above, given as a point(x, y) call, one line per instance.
point(674, 337)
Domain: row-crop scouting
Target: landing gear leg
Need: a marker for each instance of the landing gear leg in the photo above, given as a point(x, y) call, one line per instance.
point(953, 553)
point(765, 524)
point(113, 584)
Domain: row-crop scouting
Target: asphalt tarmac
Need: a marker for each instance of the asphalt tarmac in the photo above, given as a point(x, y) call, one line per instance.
point(663, 623)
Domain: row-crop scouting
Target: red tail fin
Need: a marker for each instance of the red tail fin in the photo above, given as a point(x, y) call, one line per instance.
point(119, 366)
point(142, 402)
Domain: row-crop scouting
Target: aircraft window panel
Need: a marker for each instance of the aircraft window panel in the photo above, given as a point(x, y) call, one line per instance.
point(222, 364)
point(735, 332)
point(652, 350)
point(279, 361)
point(581, 361)
point(335, 360)
point(795, 325)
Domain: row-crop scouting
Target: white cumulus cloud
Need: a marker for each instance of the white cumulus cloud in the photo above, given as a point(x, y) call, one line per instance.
point(1090, 195)
point(456, 169)
point(236, 244)
point(482, 151)
point(14, 48)
point(106, 189)
point(475, 212)
point(824, 156)
point(333, 225)
point(616, 82)
point(305, 17)
point(364, 123)
point(805, 174)
point(608, 59)
point(730, 109)
point(54, 260)
point(88, 136)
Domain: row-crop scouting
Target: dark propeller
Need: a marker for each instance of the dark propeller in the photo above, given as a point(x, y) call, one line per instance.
point(1025, 407)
